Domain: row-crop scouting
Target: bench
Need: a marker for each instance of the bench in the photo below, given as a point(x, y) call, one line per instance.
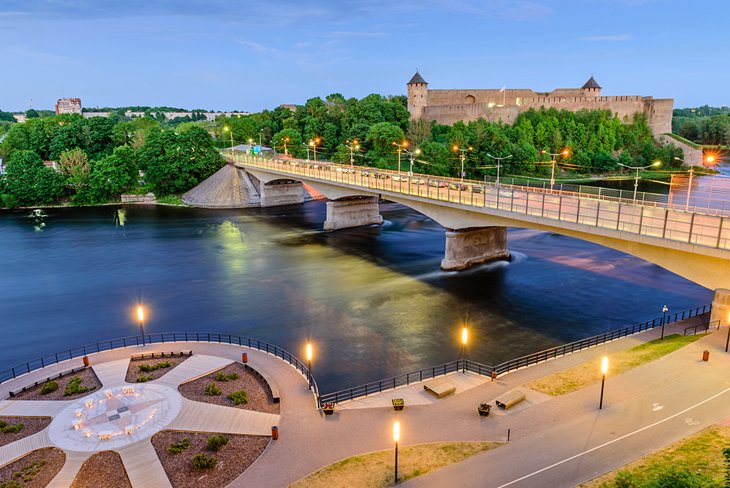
point(272, 385)
point(154, 355)
point(510, 399)
point(440, 388)
point(13, 393)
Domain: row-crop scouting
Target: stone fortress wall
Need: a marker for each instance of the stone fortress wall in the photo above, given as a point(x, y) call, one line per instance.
point(449, 106)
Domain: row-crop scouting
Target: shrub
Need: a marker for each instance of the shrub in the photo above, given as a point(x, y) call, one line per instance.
point(148, 368)
point(49, 387)
point(10, 484)
point(238, 397)
point(201, 461)
point(10, 429)
point(215, 442)
point(143, 378)
point(223, 377)
point(213, 390)
point(74, 387)
point(179, 447)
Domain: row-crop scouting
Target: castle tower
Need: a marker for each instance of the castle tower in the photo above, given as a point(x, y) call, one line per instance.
point(417, 96)
point(591, 88)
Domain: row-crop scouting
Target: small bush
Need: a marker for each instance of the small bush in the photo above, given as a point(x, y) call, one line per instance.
point(148, 368)
point(238, 397)
point(49, 387)
point(143, 378)
point(213, 390)
point(201, 461)
point(215, 442)
point(179, 447)
point(10, 429)
point(74, 387)
point(10, 484)
point(223, 377)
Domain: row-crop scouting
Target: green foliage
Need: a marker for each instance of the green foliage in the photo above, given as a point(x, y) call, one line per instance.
point(10, 429)
point(113, 174)
point(215, 442)
point(726, 454)
point(704, 125)
point(223, 377)
point(26, 474)
point(239, 397)
point(143, 378)
point(6, 116)
point(49, 387)
point(213, 390)
point(148, 368)
point(670, 477)
point(202, 462)
point(28, 181)
point(179, 447)
point(380, 139)
point(74, 387)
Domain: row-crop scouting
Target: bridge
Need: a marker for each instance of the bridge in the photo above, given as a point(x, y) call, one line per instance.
point(693, 243)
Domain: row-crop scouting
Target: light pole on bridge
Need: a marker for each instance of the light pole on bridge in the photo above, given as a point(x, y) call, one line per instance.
point(352, 146)
point(411, 157)
point(499, 160)
point(637, 169)
point(401, 147)
point(565, 153)
point(314, 143)
point(462, 156)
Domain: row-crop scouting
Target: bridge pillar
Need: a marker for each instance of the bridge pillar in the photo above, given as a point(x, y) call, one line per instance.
point(352, 212)
point(721, 307)
point(281, 192)
point(476, 245)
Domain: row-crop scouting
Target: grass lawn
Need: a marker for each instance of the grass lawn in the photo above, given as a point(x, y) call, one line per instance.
point(700, 454)
point(376, 469)
point(171, 200)
point(585, 374)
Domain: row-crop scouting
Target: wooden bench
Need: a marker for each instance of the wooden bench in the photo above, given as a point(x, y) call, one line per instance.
point(441, 387)
point(272, 386)
point(13, 393)
point(154, 355)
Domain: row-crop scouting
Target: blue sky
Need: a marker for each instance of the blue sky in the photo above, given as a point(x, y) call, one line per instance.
point(228, 55)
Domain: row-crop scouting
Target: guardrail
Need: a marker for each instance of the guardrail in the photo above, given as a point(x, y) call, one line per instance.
point(158, 338)
point(654, 219)
point(507, 366)
point(703, 327)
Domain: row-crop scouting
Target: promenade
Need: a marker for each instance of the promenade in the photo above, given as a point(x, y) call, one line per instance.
point(555, 441)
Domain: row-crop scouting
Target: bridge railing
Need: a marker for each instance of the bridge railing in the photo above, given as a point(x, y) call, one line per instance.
point(648, 218)
point(510, 365)
point(158, 338)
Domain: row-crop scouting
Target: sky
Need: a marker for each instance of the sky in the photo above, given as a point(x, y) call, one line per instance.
point(257, 54)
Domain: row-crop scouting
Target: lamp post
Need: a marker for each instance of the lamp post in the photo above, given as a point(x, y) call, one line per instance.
point(412, 157)
point(230, 131)
point(565, 153)
point(352, 146)
point(462, 156)
point(286, 141)
point(396, 438)
point(314, 143)
point(637, 169)
point(464, 340)
point(709, 159)
point(401, 147)
point(140, 317)
point(250, 146)
point(664, 320)
point(309, 364)
point(604, 370)
point(499, 160)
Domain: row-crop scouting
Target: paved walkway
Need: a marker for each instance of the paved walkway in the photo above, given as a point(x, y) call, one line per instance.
point(74, 461)
point(205, 417)
point(111, 373)
point(143, 466)
point(192, 368)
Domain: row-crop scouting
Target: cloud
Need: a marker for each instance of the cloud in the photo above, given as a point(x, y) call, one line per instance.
point(260, 48)
point(612, 38)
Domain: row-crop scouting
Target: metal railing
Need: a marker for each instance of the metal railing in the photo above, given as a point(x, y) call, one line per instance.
point(159, 338)
point(648, 218)
point(704, 327)
point(507, 366)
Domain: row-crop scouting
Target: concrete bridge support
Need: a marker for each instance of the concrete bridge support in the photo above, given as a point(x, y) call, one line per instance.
point(467, 247)
point(721, 307)
point(281, 192)
point(352, 212)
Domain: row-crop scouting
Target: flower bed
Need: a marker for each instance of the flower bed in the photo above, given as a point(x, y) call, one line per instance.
point(102, 469)
point(31, 425)
point(35, 469)
point(150, 369)
point(84, 379)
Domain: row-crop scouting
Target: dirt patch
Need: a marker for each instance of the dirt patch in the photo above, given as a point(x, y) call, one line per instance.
point(231, 460)
point(31, 425)
point(134, 373)
point(102, 469)
point(257, 391)
point(34, 470)
point(88, 380)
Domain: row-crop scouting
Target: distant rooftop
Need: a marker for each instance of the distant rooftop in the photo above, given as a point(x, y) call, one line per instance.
point(417, 78)
point(591, 83)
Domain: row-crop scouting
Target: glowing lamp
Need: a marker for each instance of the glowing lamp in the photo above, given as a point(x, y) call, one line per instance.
point(604, 365)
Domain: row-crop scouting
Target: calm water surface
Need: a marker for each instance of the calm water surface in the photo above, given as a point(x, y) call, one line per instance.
point(373, 299)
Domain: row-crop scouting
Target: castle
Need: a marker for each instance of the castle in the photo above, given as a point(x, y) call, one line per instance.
point(449, 106)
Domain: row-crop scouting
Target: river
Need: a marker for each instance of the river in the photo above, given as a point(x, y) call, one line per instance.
point(372, 300)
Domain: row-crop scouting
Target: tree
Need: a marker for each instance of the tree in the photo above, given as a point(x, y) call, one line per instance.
point(112, 175)
point(289, 141)
point(32, 113)
point(380, 139)
point(29, 182)
point(74, 165)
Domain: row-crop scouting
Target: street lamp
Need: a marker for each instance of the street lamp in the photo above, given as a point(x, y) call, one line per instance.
point(352, 146)
point(639, 168)
point(462, 157)
point(140, 318)
point(309, 364)
point(565, 153)
point(710, 159)
point(412, 157)
point(499, 163)
point(314, 143)
point(396, 438)
point(664, 320)
point(604, 370)
point(401, 147)
point(230, 131)
point(464, 341)
point(286, 141)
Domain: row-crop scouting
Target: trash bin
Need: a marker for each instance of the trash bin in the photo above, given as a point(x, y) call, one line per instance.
point(274, 432)
point(705, 355)
point(244, 357)
point(86, 361)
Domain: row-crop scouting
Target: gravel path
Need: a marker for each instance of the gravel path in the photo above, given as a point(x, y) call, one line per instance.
point(133, 371)
point(31, 425)
point(233, 458)
point(41, 467)
point(102, 469)
point(257, 391)
point(88, 378)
